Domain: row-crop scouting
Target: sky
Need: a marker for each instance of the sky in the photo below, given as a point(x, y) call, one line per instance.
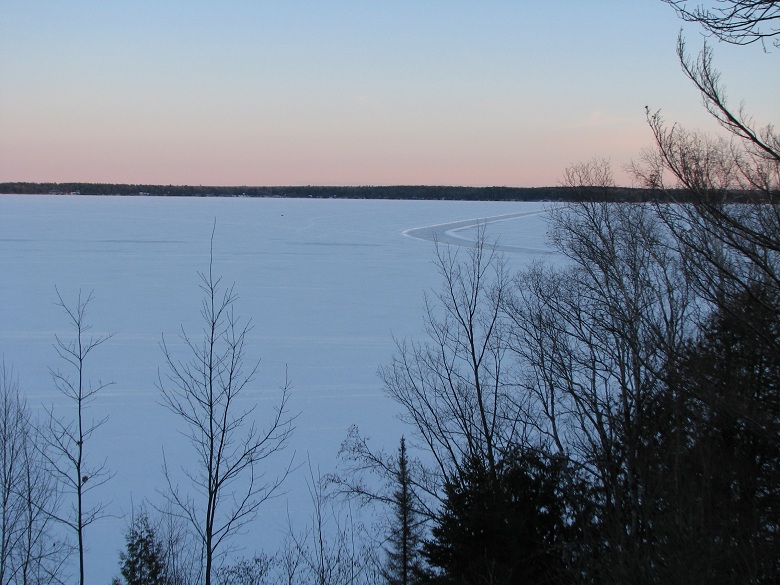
point(336, 92)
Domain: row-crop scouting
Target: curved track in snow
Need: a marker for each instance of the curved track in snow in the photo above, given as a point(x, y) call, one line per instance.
point(447, 233)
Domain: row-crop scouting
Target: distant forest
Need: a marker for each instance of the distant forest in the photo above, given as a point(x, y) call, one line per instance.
point(363, 192)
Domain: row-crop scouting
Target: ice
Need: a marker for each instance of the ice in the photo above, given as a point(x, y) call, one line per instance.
point(327, 283)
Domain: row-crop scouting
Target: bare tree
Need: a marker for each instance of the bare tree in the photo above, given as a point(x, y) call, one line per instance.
point(14, 435)
point(333, 549)
point(723, 391)
point(705, 167)
point(205, 391)
point(29, 552)
point(591, 181)
point(740, 22)
point(592, 340)
point(453, 387)
point(727, 221)
point(182, 555)
point(713, 166)
point(650, 361)
point(65, 439)
point(255, 571)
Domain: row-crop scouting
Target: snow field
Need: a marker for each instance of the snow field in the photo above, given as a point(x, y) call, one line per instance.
point(326, 284)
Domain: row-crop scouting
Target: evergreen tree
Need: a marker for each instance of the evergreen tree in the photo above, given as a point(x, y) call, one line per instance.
point(403, 565)
point(143, 562)
point(718, 499)
point(503, 530)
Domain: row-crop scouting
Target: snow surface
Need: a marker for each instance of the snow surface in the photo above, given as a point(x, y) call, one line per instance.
point(327, 283)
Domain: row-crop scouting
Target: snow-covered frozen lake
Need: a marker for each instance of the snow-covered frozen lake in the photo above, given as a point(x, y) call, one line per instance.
point(327, 284)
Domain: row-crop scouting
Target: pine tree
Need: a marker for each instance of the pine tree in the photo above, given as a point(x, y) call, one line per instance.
point(503, 529)
point(143, 562)
point(403, 565)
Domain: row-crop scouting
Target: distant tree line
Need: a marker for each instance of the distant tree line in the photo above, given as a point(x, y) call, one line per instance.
point(400, 192)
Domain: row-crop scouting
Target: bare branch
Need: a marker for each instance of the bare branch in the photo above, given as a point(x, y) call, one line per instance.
point(740, 22)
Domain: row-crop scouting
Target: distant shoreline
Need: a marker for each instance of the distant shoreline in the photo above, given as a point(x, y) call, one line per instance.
point(400, 192)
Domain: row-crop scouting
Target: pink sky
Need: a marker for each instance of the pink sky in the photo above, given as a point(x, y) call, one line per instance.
point(343, 92)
